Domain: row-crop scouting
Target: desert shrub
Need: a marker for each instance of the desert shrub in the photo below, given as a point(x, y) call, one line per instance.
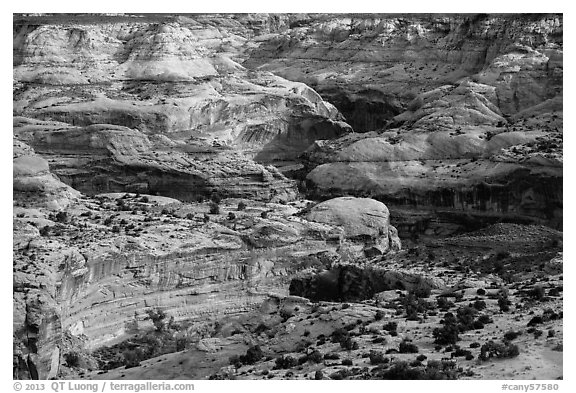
point(234, 360)
point(377, 357)
point(421, 289)
point(331, 356)
point(132, 358)
point(62, 216)
point(315, 357)
point(503, 302)
point(347, 362)
point(349, 344)
point(448, 333)
point(485, 319)
point(45, 230)
point(214, 208)
point(511, 335)
point(401, 370)
point(498, 350)
point(264, 214)
point(379, 315)
point(537, 292)
point(241, 205)
point(206, 218)
point(479, 305)
point(286, 361)
point(339, 335)
point(390, 326)
point(414, 305)
point(407, 347)
point(551, 333)
point(475, 345)
point(459, 352)
point(231, 216)
point(340, 374)
point(443, 303)
point(158, 317)
point(465, 316)
point(72, 359)
point(481, 291)
point(216, 198)
point(421, 358)
point(253, 354)
point(318, 375)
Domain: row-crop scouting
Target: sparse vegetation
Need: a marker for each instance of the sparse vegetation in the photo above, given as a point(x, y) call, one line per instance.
point(498, 350)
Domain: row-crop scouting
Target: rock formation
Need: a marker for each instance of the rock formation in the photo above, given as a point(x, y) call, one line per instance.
point(161, 165)
point(466, 111)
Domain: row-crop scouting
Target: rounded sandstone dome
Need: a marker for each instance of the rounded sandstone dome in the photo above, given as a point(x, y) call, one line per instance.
point(360, 217)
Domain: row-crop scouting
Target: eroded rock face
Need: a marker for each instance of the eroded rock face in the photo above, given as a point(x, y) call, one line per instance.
point(362, 219)
point(372, 66)
point(160, 106)
point(352, 282)
point(462, 112)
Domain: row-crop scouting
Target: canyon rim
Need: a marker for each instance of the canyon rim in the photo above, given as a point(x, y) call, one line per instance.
point(287, 196)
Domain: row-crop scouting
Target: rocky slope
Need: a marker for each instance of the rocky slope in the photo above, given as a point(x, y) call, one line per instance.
point(466, 110)
point(161, 99)
point(94, 269)
point(157, 179)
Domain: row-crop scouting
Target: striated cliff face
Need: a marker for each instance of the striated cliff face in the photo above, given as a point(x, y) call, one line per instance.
point(94, 271)
point(371, 66)
point(160, 100)
point(458, 112)
point(124, 125)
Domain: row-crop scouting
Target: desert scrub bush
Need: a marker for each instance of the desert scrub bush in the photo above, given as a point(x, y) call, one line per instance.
point(407, 347)
point(318, 375)
point(377, 357)
point(448, 333)
point(253, 354)
point(379, 315)
point(421, 289)
point(465, 316)
point(401, 370)
point(347, 362)
point(340, 374)
point(264, 214)
point(214, 208)
point(62, 216)
point(286, 361)
point(503, 302)
point(45, 231)
point(339, 335)
point(390, 327)
point(158, 317)
point(479, 305)
point(315, 357)
point(511, 335)
point(72, 359)
point(414, 305)
point(485, 319)
point(443, 303)
point(537, 292)
point(498, 350)
point(241, 206)
point(349, 344)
